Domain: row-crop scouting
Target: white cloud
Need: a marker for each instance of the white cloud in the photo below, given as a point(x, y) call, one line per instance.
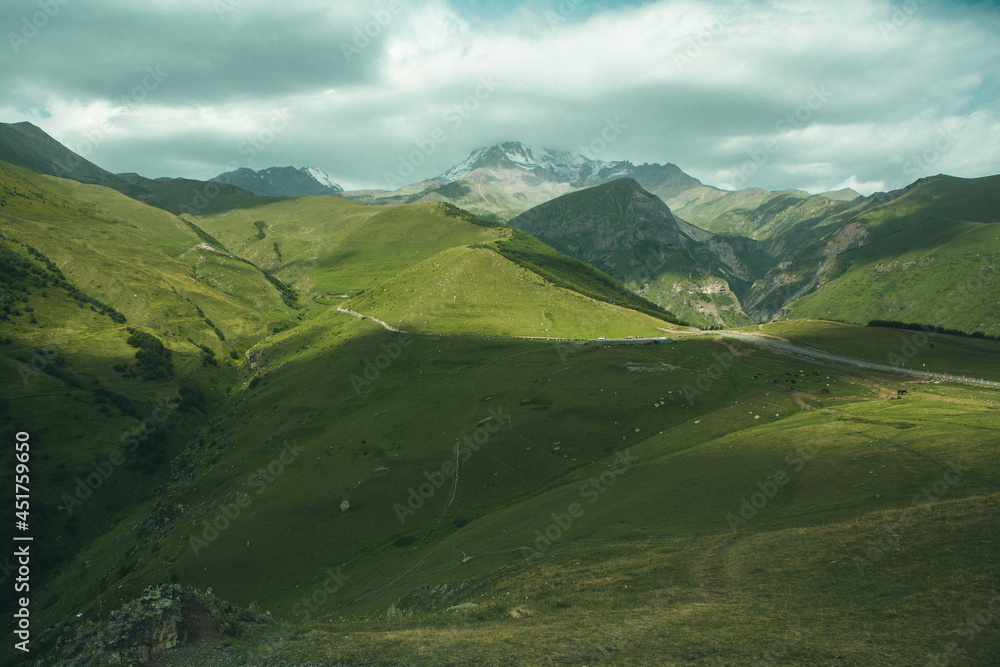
point(700, 83)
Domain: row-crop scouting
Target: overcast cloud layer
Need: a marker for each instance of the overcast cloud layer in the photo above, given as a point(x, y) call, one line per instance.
point(806, 94)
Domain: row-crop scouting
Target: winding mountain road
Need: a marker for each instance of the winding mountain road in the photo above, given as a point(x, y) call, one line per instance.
point(848, 361)
point(767, 341)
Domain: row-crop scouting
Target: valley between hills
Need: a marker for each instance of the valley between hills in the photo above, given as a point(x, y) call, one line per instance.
point(541, 410)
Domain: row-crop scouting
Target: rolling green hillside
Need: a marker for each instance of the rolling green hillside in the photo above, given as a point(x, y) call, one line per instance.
point(482, 199)
point(552, 426)
point(331, 247)
point(925, 254)
point(144, 262)
point(755, 213)
point(931, 257)
point(206, 408)
point(108, 401)
point(479, 291)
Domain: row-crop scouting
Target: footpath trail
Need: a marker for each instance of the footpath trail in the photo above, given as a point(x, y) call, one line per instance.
point(384, 324)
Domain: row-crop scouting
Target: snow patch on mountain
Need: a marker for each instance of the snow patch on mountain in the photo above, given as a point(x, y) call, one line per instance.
point(281, 181)
point(321, 177)
point(547, 164)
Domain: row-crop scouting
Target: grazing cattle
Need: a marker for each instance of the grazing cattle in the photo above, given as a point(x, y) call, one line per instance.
point(824, 391)
point(900, 392)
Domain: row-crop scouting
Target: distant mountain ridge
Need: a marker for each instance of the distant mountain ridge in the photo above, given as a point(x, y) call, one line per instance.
point(712, 257)
point(28, 146)
point(281, 181)
point(905, 255)
point(502, 181)
point(511, 159)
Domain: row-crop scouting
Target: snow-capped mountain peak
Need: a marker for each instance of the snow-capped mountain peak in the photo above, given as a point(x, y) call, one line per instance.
point(321, 177)
point(513, 156)
point(516, 169)
point(281, 181)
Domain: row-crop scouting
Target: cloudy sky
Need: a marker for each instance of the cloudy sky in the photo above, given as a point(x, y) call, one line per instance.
point(809, 94)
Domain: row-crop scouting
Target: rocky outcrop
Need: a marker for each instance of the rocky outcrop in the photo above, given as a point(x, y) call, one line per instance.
point(162, 618)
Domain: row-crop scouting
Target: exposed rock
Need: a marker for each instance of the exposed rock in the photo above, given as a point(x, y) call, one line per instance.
point(162, 618)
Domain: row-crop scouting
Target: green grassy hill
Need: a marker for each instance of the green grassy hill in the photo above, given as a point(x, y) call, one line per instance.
point(331, 247)
point(108, 403)
point(754, 213)
point(662, 548)
point(459, 494)
point(931, 257)
point(482, 199)
point(120, 331)
point(463, 290)
point(148, 264)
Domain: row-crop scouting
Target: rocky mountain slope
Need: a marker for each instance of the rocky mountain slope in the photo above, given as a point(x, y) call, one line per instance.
point(281, 181)
point(631, 234)
point(502, 181)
